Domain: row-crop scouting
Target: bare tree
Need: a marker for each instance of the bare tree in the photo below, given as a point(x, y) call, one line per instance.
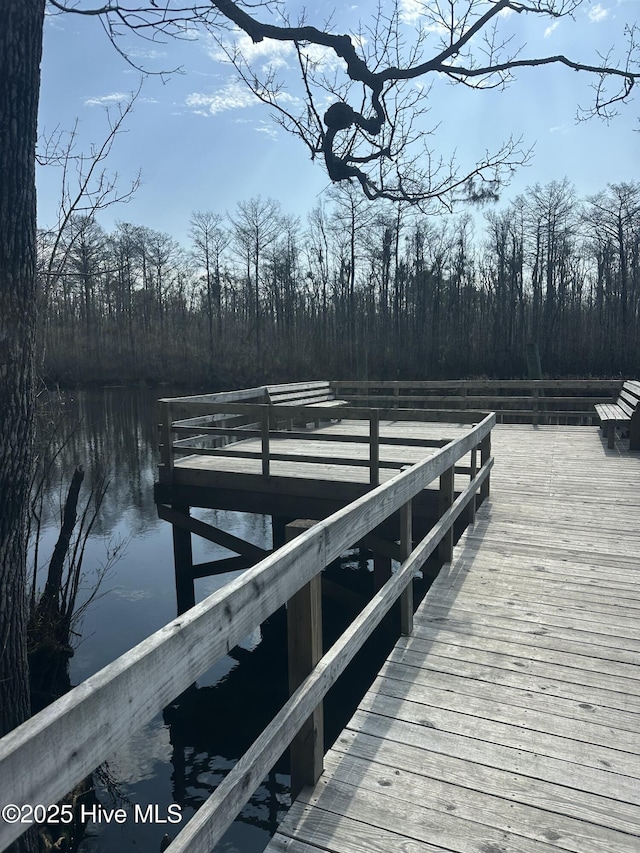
point(210, 239)
point(318, 262)
point(616, 217)
point(551, 219)
point(351, 220)
point(256, 225)
point(504, 277)
point(86, 186)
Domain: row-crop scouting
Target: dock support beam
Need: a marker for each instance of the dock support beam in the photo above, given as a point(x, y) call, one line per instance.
point(406, 547)
point(183, 561)
point(304, 638)
point(381, 571)
point(278, 531)
point(445, 548)
point(471, 513)
point(485, 455)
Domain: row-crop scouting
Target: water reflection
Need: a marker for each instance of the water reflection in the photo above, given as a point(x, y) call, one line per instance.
point(207, 724)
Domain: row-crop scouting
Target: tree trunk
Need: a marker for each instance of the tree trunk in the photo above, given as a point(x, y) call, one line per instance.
point(20, 52)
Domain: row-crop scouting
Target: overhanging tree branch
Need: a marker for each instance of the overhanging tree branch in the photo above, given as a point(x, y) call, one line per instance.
point(364, 144)
point(369, 130)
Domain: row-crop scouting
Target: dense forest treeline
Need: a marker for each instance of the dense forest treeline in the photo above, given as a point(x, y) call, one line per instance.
point(357, 290)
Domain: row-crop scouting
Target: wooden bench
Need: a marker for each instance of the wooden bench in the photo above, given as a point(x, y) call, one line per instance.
point(624, 412)
point(304, 394)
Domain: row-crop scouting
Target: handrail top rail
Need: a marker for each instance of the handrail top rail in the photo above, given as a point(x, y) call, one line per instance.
point(344, 412)
point(42, 759)
point(478, 383)
point(220, 396)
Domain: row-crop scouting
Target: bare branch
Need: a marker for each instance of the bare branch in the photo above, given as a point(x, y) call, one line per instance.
point(95, 189)
point(368, 132)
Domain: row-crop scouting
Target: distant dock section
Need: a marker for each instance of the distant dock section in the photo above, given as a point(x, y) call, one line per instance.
point(292, 451)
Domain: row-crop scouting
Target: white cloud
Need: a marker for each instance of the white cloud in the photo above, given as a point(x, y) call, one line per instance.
point(52, 20)
point(107, 100)
point(551, 28)
point(146, 54)
point(137, 759)
point(323, 58)
point(411, 11)
point(268, 131)
point(234, 95)
point(271, 53)
point(597, 14)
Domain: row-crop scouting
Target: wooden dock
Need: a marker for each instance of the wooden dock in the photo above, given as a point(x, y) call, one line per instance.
point(266, 458)
point(505, 720)
point(509, 719)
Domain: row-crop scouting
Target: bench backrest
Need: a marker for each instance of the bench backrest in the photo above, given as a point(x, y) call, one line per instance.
point(300, 393)
point(629, 399)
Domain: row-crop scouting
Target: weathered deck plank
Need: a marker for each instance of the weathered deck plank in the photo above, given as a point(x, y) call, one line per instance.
point(509, 720)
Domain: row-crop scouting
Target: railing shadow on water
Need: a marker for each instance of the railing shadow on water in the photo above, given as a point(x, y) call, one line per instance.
point(41, 760)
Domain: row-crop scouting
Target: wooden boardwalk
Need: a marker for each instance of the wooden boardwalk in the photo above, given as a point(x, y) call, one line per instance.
point(509, 720)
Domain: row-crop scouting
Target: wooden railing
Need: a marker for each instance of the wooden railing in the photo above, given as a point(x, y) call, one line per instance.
point(266, 422)
point(532, 401)
point(45, 757)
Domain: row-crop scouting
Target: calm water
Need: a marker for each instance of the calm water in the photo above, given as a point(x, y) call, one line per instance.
point(182, 755)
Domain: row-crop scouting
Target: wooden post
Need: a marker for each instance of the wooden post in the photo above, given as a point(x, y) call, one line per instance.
point(278, 531)
point(406, 546)
point(304, 639)
point(381, 574)
point(183, 563)
point(445, 548)
point(534, 367)
point(264, 426)
point(634, 430)
point(166, 442)
point(535, 417)
point(485, 455)
point(374, 447)
point(471, 513)
point(381, 571)
point(273, 417)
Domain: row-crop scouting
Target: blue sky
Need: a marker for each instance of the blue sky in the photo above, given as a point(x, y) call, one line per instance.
point(203, 143)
